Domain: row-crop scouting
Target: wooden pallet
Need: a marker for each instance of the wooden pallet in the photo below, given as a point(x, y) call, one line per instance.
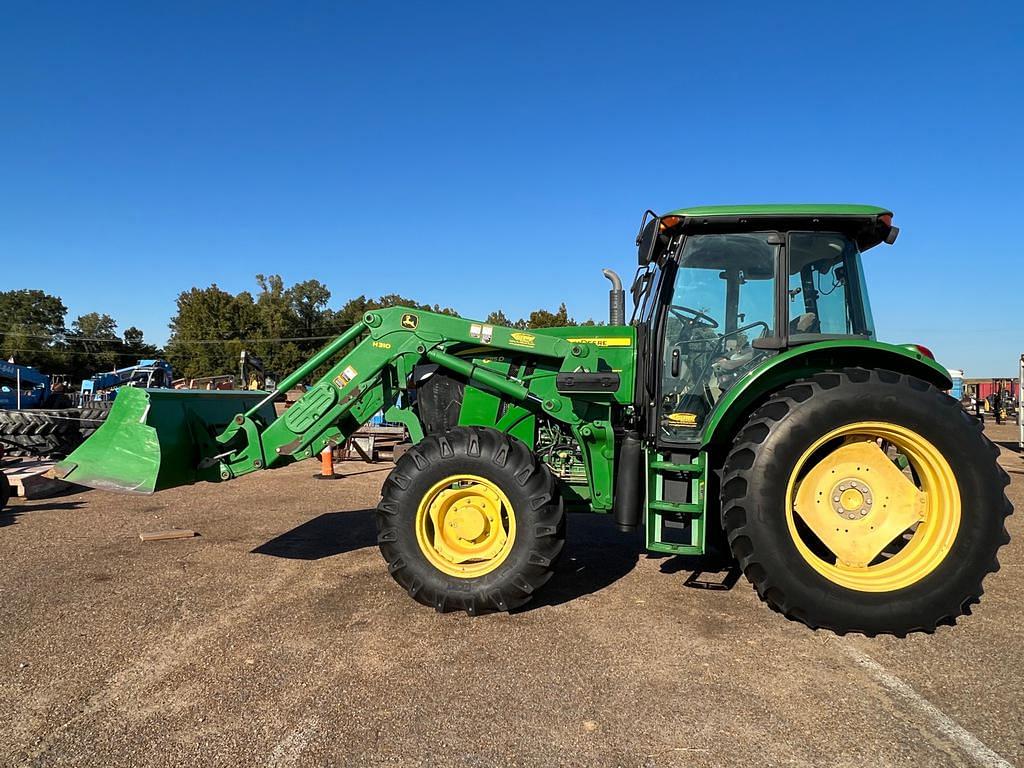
point(29, 480)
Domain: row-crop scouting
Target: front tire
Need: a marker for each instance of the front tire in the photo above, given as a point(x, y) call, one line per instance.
point(470, 520)
point(865, 501)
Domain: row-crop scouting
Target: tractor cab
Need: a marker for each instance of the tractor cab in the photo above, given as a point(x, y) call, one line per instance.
point(720, 289)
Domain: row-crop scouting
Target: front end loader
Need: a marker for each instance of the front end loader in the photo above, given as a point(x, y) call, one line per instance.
point(747, 403)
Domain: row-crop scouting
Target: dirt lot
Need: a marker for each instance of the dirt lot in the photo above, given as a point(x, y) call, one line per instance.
point(277, 638)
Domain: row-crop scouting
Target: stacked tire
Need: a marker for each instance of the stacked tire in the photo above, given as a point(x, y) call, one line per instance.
point(91, 416)
point(52, 432)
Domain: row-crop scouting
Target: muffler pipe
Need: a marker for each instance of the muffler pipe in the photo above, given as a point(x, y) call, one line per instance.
point(616, 299)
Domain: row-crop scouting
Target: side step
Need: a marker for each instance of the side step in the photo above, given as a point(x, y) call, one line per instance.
point(676, 503)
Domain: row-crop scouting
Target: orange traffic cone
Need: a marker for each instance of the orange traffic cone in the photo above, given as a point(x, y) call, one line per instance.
point(327, 465)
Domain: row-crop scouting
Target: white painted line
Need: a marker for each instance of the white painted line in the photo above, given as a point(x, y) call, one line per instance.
point(945, 724)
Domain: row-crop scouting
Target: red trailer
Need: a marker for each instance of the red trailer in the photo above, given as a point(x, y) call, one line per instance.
point(986, 387)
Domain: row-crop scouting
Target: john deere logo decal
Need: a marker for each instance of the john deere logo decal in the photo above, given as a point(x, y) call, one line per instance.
point(521, 339)
point(410, 321)
point(603, 341)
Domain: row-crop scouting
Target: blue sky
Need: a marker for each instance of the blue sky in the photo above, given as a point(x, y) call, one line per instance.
point(498, 155)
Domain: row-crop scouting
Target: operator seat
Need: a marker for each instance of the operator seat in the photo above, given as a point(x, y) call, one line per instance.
point(805, 323)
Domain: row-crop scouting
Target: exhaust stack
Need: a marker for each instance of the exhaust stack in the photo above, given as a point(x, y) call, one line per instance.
point(616, 299)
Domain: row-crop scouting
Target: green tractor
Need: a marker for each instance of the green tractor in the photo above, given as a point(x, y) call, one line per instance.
point(746, 404)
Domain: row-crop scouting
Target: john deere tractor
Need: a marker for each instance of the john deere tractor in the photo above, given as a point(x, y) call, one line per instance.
point(746, 403)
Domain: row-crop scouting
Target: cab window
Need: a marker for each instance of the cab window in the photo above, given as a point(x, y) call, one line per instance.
point(825, 287)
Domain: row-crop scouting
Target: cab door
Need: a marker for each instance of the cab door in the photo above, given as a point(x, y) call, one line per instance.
point(720, 301)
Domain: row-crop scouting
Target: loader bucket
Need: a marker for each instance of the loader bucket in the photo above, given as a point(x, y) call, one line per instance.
point(156, 438)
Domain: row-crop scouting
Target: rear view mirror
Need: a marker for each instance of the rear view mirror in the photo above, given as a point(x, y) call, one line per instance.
point(647, 237)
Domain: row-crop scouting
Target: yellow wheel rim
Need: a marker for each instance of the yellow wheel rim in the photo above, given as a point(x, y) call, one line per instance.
point(465, 526)
point(873, 506)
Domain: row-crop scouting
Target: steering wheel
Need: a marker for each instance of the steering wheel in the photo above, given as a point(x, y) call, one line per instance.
point(686, 314)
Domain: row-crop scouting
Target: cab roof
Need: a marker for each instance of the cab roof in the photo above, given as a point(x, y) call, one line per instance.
point(782, 209)
point(869, 225)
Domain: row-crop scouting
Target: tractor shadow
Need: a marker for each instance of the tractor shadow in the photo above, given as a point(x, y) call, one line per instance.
point(714, 570)
point(327, 535)
point(596, 554)
point(10, 514)
point(1009, 445)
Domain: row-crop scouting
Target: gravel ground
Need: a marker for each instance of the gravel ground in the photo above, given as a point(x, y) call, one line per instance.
point(276, 638)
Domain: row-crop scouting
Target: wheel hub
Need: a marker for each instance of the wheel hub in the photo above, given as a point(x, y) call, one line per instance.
point(851, 498)
point(465, 526)
point(467, 522)
point(869, 515)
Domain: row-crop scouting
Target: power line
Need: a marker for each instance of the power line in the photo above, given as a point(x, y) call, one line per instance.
point(62, 337)
point(77, 339)
point(252, 341)
point(50, 351)
point(73, 339)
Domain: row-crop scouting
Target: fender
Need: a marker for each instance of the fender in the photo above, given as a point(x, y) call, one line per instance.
point(805, 360)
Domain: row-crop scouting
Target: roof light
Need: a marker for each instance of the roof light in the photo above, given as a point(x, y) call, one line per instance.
point(923, 350)
point(667, 222)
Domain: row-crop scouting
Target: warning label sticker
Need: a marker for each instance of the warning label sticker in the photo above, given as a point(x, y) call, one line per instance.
point(343, 378)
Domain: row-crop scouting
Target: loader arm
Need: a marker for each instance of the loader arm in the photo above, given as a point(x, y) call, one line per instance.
point(141, 448)
point(371, 376)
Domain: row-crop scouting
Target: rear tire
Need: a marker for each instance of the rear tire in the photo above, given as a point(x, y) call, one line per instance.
point(508, 467)
point(763, 468)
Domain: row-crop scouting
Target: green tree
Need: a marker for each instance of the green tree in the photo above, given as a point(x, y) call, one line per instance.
point(541, 318)
point(135, 345)
point(312, 318)
point(308, 303)
point(212, 327)
point(352, 311)
point(498, 318)
point(206, 331)
point(94, 345)
point(32, 328)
